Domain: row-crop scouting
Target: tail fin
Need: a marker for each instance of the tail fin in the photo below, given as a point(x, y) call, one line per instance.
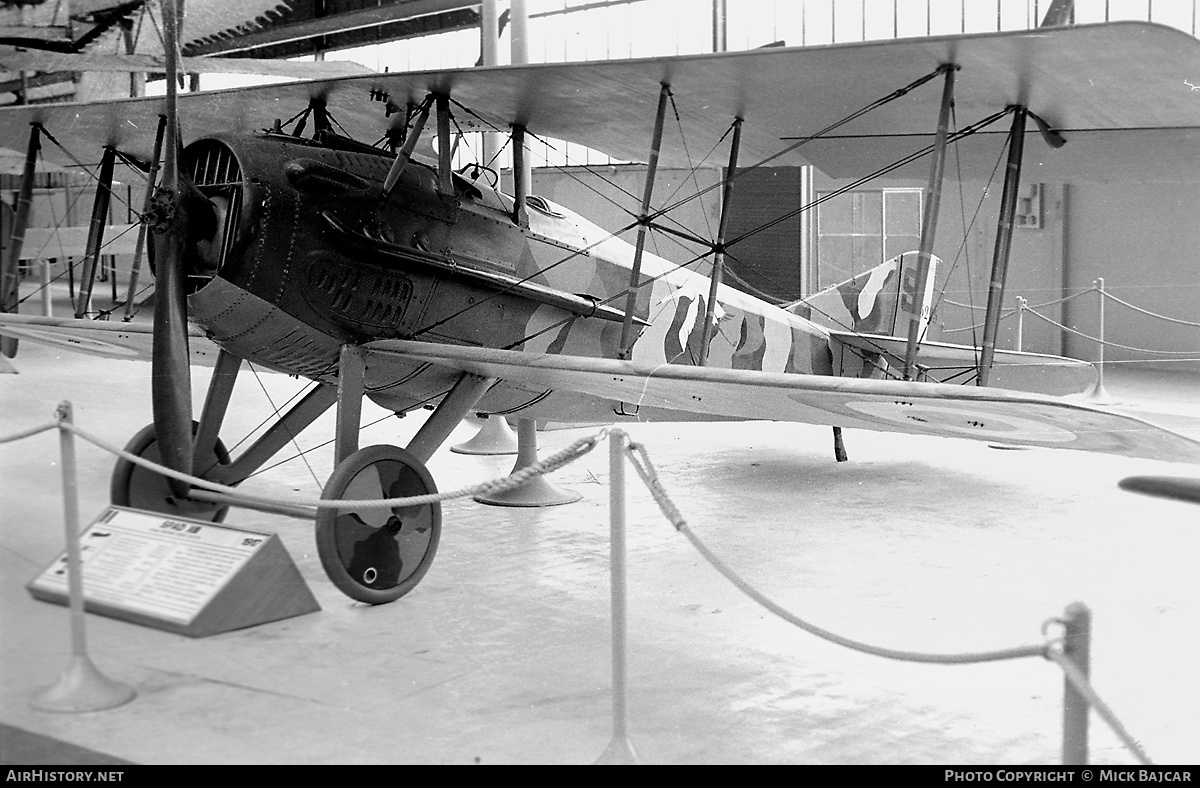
point(879, 301)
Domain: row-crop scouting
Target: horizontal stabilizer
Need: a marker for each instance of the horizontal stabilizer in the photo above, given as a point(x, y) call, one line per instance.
point(942, 362)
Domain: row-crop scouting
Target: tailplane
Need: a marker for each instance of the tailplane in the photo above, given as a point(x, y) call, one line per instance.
point(867, 318)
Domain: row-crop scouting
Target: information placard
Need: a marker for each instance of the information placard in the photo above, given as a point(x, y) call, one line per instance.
point(170, 572)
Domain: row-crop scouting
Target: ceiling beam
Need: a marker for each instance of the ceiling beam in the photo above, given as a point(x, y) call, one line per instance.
point(344, 22)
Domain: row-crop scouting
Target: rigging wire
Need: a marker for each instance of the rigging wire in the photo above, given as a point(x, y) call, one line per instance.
point(83, 166)
point(276, 413)
point(896, 94)
point(981, 124)
point(692, 168)
point(741, 171)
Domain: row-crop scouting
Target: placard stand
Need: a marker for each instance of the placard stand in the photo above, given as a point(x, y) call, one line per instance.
point(190, 577)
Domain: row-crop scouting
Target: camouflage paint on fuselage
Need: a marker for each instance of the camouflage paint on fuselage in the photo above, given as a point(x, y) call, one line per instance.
point(321, 258)
point(748, 333)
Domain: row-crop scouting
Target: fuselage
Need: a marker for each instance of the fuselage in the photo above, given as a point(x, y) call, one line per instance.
point(310, 255)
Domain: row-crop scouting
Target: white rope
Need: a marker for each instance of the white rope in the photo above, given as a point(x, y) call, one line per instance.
point(1147, 311)
point(645, 470)
point(1113, 344)
point(1081, 684)
point(1052, 650)
point(515, 479)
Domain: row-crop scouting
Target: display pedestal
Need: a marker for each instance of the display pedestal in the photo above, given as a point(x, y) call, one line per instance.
point(190, 577)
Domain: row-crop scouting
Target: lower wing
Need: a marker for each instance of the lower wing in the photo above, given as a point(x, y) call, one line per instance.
point(991, 415)
point(132, 341)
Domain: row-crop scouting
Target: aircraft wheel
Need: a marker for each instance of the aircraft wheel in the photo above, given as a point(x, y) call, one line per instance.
point(141, 488)
point(378, 555)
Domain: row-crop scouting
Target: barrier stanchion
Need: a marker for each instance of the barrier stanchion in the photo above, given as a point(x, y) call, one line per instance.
point(1099, 394)
point(82, 687)
point(1077, 647)
point(620, 749)
point(47, 305)
point(1020, 323)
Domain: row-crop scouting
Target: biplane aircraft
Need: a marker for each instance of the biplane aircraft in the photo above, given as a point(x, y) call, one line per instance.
point(374, 270)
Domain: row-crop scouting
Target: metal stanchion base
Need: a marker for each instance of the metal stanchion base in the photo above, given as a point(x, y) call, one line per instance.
point(494, 437)
point(618, 753)
point(83, 688)
point(1099, 395)
point(538, 491)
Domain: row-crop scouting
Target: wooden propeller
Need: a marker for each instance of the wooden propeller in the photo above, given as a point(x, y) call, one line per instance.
point(171, 383)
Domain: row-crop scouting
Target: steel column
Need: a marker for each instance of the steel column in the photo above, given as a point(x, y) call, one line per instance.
point(489, 33)
point(140, 247)
point(518, 19)
point(10, 278)
point(1004, 229)
point(718, 271)
point(643, 222)
point(720, 26)
point(928, 226)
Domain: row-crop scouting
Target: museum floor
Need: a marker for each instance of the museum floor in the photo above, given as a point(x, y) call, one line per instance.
point(502, 654)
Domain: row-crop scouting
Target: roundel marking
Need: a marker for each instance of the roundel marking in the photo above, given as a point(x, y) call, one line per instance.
point(985, 425)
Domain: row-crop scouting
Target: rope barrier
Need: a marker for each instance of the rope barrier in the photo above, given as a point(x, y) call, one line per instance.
point(645, 470)
point(639, 458)
point(1051, 650)
point(1081, 683)
point(16, 436)
point(1003, 317)
point(1110, 344)
point(514, 479)
point(1035, 306)
point(1112, 297)
point(1094, 289)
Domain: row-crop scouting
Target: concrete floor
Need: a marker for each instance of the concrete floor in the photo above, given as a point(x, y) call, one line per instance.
point(501, 655)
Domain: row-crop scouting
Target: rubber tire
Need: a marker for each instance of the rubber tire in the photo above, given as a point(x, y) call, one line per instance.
point(138, 488)
point(336, 528)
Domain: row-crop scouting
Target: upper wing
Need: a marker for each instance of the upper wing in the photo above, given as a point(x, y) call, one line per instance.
point(101, 338)
point(892, 406)
point(1120, 92)
point(34, 60)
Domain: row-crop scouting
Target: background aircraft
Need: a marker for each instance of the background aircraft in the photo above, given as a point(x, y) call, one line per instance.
point(293, 242)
